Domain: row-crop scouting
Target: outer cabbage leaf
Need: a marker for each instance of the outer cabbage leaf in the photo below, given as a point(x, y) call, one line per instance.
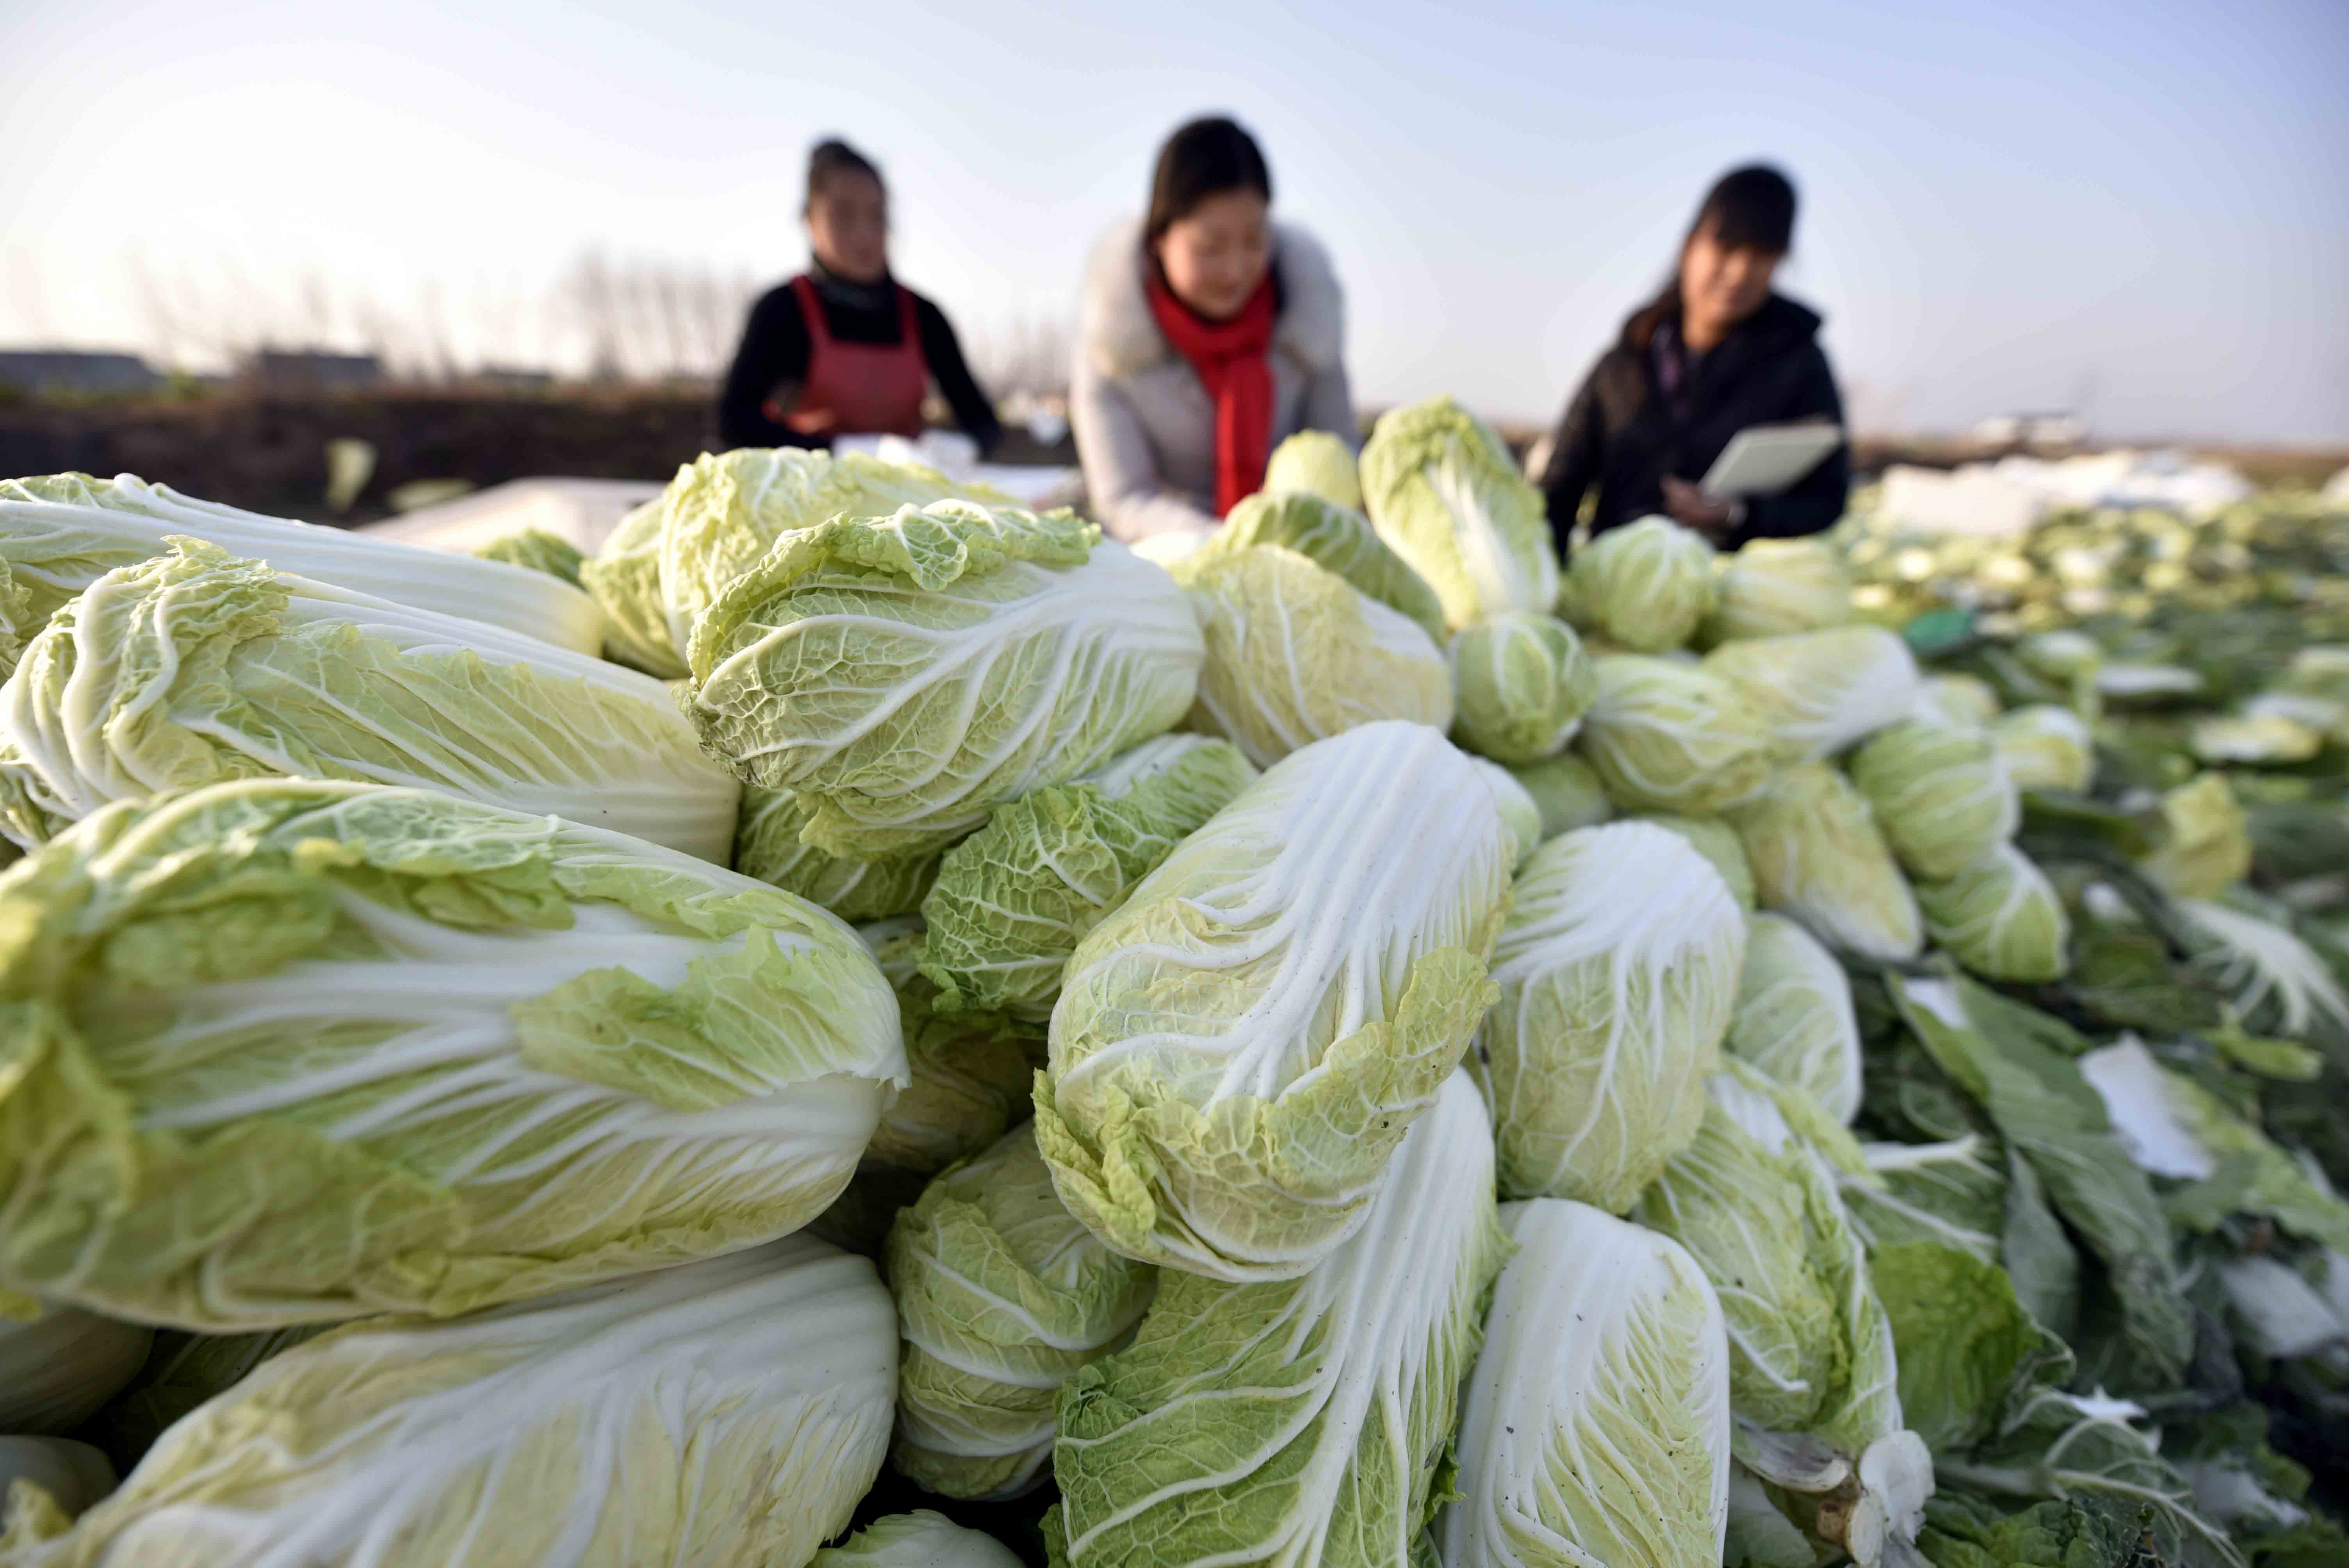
point(288, 1051)
point(2269, 970)
point(1315, 463)
point(1521, 685)
point(1301, 1421)
point(1643, 586)
point(1776, 587)
point(1520, 812)
point(1296, 655)
point(1337, 538)
point(1820, 691)
point(1444, 492)
point(1718, 842)
point(47, 1481)
point(61, 533)
point(1940, 794)
point(60, 1367)
point(1959, 700)
point(971, 1071)
point(730, 1410)
point(625, 578)
point(1001, 1295)
point(538, 551)
point(1965, 1346)
point(1595, 1427)
point(2044, 748)
point(1567, 791)
point(2000, 917)
point(1794, 1017)
point(1241, 1044)
point(1014, 899)
point(1816, 855)
point(195, 667)
point(907, 674)
point(1663, 737)
point(918, 1539)
point(1951, 1194)
point(1618, 969)
point(767, 845)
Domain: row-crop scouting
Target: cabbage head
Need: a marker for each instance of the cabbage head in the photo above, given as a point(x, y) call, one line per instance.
point(195, 667)
point(1296, 654)
point(1297, 1421)
point(1820, 691)
point(1812, 839)
point(289, 1051)
point(731, 1410)
point(1618, 968)
point(61, 1364)
point(1959, 699)
point(2206, 844)
point(2045, 747)
point(1718, 842)
point(907, 674)
point(1315, 463)
point(1239, 1046)
point(921, 1539)
point(1567, 791)
point(1810, 1350)
point(1014, 899)
point(1595, 1427)
point(1520, 813)
point(538, 551)
point(1940, 794)
point(1001, 1295)
point(1337, 539)
point(2000, 918)
point(1643, 586)
point(1664, 736)
point(624, 576)
point(1521, 683)
point(1443, 490)
point(1794, 1020)
point(61, 533)
point(767, 845)
point(1777, 587)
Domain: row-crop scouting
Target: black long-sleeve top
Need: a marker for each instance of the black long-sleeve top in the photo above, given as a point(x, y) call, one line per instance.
point(773, 360)
point(1623, 433)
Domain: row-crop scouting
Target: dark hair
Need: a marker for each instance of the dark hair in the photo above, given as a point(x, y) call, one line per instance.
point(1205, 158)
point(832, 158)
point(1749, 207)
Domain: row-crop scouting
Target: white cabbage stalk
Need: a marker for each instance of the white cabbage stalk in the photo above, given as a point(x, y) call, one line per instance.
point(767, 846)
point(1317, 463)
point(2136, 1092)
point(1821, 691)
point(1001, 1295)
point(411, 1053)
point(1794, 1019)
point(1664, 736)
point(918, 1539)
point(1775, 587)
point(1519, 810)
point(195, 667)
point(906, 674)
point(2281, 1313)
point(1940, 794)
point(1618, 969)
point(60, 1367)
point(1446, 495)
point(1643, 586)
point(732, 1410)
point(1595, 1427)
point(2044, 748)
point(1241, 1044)
point(1296, 654)
point(60, 533)
point(1336, 538)
point(1817, 854)
point(1297, 1422)
point(1567, 791)
point(1521, 683)
point(2000, 917)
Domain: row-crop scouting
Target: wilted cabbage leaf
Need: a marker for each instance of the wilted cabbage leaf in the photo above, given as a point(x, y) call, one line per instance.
point(1521, 685)
point(1664, 736)
point(1643, 586)
point(1444, 492)
point(287, 1051)
point(918, 1539)
point(2000, 918)
point(1939, 793)
point(1567, 791)
point(195, 667)
point(906, 674)
point(1817, 855)
point(1820, 691)
point(538, 551)
point(1794, 1017)
point(1337, 538)
point(1595, 1427)
point(1001, 1295)
point(767, 845)
point(1296, 654)
point(2044, 748)
point(1618, 968)
point(1300, 1421)
point(1315, 463)
point(1776, 587)
point(1241, 1044)
point(730, 1410)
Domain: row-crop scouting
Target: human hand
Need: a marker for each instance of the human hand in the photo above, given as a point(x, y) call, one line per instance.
point(1691, 505)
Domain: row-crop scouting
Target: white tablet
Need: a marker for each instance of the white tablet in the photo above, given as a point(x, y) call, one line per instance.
point(1763, 460)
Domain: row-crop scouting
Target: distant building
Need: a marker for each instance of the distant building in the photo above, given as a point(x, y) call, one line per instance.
point(40, 371)
point(2040, 431)
point(304, 371)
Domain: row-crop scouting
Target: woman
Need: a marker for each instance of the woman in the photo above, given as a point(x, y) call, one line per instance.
point(1208, 334)
point(1715, 352)
point(844, 348)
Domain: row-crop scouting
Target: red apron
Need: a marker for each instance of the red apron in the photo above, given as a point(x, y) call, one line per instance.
point(857, 389)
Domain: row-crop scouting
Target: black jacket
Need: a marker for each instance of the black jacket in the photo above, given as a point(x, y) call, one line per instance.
point(1620, 435)
point(774, 360)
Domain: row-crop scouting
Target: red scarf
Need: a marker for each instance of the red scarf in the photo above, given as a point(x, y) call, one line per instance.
point(1230, 359)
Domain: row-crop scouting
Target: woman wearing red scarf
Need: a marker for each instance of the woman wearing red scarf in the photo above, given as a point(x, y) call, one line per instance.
point(1208, 333)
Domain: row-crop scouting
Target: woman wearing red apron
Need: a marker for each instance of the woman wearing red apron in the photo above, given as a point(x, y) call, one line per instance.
point(843, 348)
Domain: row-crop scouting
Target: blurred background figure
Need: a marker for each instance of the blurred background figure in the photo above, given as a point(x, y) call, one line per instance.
point(1206, 333)
point(1715, 352)
point(844, 349)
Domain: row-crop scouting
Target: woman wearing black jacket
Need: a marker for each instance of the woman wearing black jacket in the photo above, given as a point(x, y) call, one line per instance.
point(1715, 352)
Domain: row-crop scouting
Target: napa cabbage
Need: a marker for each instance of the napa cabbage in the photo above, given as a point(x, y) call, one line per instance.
point(1664, 736)
point(1817, 855)
point(1521, 685)
point(1445, 494)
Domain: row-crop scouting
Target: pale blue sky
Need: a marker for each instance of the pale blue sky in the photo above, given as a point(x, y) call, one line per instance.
point(2005, 204)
